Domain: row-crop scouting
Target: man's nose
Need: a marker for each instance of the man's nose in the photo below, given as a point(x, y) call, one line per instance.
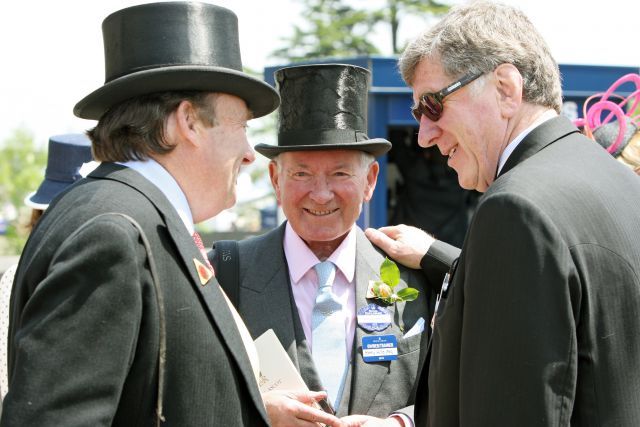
point(321, 192)
point(249, 155)
point(427, 132)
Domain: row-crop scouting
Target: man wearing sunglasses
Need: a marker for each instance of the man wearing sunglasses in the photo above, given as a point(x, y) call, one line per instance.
point(537, 320)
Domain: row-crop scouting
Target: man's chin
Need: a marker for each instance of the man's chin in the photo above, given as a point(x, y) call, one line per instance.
point(214, 211)
point(321, 237)
point(465, 184)
point(231, 202)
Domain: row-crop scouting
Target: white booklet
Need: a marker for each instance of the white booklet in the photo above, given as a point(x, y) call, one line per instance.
point(277, 371)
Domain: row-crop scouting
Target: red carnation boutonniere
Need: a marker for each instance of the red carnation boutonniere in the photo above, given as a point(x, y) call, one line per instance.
point(384, 289)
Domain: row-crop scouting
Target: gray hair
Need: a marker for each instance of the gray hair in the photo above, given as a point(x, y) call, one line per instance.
point(478, 37)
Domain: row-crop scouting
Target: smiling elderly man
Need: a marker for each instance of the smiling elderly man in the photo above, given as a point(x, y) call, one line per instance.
point(323, 170)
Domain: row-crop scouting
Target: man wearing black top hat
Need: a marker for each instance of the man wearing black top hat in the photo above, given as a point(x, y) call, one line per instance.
point(116, 317)
point(322, 170)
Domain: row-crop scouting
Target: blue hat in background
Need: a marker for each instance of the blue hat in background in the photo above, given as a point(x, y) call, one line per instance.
point(66, 155)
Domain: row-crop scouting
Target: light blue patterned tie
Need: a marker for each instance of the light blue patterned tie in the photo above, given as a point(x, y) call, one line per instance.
point(328, 334)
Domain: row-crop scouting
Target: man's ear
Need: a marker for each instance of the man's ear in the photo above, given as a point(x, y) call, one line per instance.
point(372, 178)
point(273, 174)
point(509, 84)
point(186, 122)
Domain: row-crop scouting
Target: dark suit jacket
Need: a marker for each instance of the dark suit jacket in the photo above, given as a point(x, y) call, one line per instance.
point(540, 326)
point(266, 302)
point(85, 327)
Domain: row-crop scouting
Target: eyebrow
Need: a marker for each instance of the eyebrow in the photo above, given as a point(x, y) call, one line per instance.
point(298, 165)
point(307, 166)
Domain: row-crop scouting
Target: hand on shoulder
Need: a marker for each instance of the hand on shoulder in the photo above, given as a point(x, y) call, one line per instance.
point(405, 244)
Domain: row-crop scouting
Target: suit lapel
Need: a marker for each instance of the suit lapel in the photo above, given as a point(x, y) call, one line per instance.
point(272, 305)
point(367, 378)
point(216, 305)
point(268, 297)
point(210, 293)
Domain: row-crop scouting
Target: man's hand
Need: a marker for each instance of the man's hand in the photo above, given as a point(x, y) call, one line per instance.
point(367, 421)
point(294, 408)
point(403, 243)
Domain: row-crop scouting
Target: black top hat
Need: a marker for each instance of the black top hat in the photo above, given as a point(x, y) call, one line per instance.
point(324, 107)
point(66, 155)
point(173, 46)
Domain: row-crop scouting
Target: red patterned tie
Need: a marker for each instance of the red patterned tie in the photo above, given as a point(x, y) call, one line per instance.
point(198, 241)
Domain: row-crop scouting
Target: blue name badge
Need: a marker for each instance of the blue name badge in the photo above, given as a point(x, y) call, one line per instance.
point(379, 348)
point(372, 318)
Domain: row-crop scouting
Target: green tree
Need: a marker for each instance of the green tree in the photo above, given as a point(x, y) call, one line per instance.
point(333, 28)
point(397, 9)
point(22, 166)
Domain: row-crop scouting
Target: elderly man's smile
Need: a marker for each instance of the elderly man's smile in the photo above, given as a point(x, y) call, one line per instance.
point(325, 212)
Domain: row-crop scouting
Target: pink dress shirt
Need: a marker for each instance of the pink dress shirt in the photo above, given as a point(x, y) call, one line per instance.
point(304, 281)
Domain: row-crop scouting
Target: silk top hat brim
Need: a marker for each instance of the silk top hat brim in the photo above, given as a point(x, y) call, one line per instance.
point(260, 97)
point(174, 46)
point(324, 107)
point(329, 141)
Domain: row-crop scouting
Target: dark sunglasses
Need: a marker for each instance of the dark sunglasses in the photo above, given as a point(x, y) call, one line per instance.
point(430, 104)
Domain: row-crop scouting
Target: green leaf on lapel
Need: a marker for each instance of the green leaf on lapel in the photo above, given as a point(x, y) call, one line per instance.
point(389, 273)
point(383, 290)
point(408, 294)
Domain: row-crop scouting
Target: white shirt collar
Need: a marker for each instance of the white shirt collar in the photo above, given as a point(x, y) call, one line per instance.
point(161, 178)
point(547, 115)
point(300, 258)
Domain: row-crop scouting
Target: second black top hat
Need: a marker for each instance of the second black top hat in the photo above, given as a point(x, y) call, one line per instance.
point(324, 107)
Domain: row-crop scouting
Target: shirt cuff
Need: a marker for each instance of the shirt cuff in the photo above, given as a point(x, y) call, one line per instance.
point(407, 422)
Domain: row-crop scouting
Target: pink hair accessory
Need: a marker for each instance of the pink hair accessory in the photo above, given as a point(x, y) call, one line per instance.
point(593, 113)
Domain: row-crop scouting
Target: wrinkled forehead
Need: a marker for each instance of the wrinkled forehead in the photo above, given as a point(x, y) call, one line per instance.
point(430, 77)
point(316, 158)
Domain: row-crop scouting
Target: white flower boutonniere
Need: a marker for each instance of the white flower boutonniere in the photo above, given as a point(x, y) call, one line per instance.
point(384, 289)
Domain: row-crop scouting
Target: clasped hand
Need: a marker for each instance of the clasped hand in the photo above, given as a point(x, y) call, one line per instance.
point(296, 409)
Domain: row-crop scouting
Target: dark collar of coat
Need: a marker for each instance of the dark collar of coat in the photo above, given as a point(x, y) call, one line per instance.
point(547, 133)
point(135, 180)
